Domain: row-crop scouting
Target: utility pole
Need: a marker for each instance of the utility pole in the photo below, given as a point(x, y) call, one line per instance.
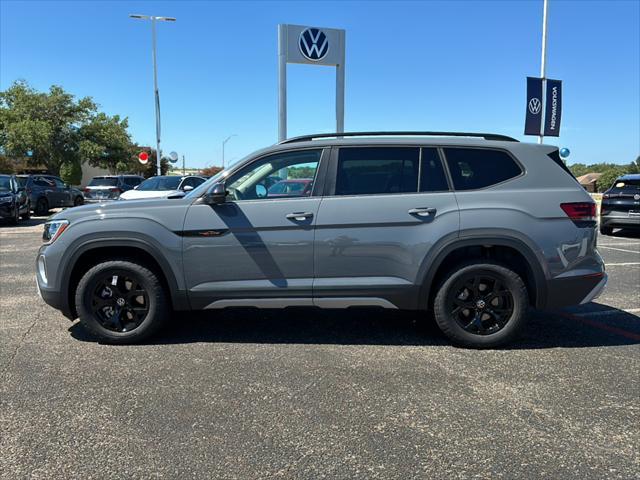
point(184, 172)
point(543, 61)
point(224, 142)
point(155, 79)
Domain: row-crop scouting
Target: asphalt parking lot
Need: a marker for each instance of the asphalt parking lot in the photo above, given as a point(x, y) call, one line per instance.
point(315, 394)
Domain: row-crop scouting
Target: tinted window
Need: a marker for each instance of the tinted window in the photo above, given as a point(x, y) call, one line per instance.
point(44, 182)
point(23, 181)
point(432, 177)
point(371, 170)
point(132, 181)
point(103, 182)
point(160, 183)
point(5, 184)
point(629, 185)
point(59, 183)
point(473, 168)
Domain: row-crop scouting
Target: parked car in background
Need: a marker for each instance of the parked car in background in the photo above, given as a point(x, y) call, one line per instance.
point(620, 206)
point(163, 186)
point(48, 191)
point(110, 187)
point(299, 187)
point(476, 228)
point(14, 202)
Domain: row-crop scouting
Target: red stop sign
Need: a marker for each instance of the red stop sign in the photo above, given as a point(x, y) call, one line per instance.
point(143, 157)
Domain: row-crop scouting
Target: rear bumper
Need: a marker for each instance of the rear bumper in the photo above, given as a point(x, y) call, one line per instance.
point(568, 291)
point(619, 220)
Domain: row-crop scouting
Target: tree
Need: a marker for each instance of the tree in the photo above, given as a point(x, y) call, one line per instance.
point(210, 171)
point(55, 129)
point(71, 173)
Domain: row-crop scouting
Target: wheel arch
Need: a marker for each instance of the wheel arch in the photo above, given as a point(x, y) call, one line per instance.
point(482, 246)
point(138, 250)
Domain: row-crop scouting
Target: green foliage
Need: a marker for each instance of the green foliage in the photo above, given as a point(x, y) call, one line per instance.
point(610, 171)
point(71, 172)
point(6, 165)
point(301, 172)
point(59, 129)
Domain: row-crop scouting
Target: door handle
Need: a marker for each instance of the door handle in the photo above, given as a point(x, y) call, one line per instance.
point(423, 211)
point(299, 216)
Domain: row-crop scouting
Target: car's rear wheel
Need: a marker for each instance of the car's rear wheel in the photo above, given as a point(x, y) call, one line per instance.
point(78, 201)
point(121, 302)
point(42, 207)
point(606, 230)
point(27, 214)
point(481, 305)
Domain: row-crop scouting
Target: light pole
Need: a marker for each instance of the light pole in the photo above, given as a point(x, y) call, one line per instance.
point(224, 142)
point(155, 78)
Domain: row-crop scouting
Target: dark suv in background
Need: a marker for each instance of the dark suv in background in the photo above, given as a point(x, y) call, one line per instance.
point(48, 191)
point(14, 202)
point(621, 204)
point(109, 187)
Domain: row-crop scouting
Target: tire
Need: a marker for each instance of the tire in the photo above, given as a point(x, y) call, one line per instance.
point(42, 207)
point(606, 230)
point(124, 326)
point(27, 215)
point(78, 201)
point(16, 216)
point(487, 321)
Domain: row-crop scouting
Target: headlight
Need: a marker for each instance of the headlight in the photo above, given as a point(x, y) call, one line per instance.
point(53, 230)
point(5, 199)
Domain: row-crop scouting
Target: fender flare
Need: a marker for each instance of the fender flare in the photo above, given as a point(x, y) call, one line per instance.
point(433, 261)
point(178, 296)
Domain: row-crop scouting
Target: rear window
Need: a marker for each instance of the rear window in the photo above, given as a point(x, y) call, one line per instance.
point(377, 170)
point(555, 156)
point(473, 168)
point(132, 181)
point(160, 183)
point(103, 182)
point(626, 185)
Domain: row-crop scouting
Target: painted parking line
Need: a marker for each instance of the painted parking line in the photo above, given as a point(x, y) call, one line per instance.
point(602, 326)
point(618, 249)
point(607, 312)
point(624, 264)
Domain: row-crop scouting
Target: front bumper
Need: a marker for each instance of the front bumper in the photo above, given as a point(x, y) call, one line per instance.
point(569, 291)
point(6, 210)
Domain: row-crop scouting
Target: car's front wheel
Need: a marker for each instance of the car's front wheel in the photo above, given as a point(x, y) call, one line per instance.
point(121, 302)
point(42, 207)
point(27, 214)
point(481, 305)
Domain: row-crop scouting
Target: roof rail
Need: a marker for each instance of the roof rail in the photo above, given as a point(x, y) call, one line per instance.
point(486, 136)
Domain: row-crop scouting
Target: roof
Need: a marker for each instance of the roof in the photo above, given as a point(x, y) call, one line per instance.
point(589, 178)
point(630, 176)
point(315, 136)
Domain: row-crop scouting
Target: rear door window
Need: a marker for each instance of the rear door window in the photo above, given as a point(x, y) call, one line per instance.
point(432, 176)
point(377, 170)
point(473, 168)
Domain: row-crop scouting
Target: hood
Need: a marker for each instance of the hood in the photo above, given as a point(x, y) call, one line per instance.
point(116, 208)
point(139, 194)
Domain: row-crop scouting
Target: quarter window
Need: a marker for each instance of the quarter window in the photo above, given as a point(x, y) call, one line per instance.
point(377, 170)
point(473, 168)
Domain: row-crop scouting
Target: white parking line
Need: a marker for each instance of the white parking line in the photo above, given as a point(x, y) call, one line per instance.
point(620, 244)
point(607, 312)
point(627, 264)
point(618, 249)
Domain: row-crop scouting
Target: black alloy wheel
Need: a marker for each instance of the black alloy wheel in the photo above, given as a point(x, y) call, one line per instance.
point(120, 303)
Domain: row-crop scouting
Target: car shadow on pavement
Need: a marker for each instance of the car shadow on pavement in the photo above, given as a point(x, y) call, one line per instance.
point(625, 233)
point(376, 327)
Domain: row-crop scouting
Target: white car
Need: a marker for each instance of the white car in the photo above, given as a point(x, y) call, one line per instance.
point(163, 186)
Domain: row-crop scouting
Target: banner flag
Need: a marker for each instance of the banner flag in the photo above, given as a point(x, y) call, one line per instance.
point(533, 119)
point(553, 108)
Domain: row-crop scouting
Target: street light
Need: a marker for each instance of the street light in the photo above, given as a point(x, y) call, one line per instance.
point(155, 78)
point(224, 142)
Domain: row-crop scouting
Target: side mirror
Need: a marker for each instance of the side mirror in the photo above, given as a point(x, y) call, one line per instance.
point(187, 188)
point(217, 195)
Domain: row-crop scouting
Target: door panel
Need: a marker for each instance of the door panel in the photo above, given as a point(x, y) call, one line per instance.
point(249, 249)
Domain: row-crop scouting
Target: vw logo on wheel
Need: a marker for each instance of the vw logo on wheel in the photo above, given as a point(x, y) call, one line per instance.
point(636, 197)
point(535, 105)
point(313, 44)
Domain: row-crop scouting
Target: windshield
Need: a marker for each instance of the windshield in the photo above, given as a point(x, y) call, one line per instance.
point(5, 184)
point(629, 185)
point(160, 183)
point(103, 182)
point(203, 187)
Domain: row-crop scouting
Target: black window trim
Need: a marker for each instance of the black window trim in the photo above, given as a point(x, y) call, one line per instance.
point(523, 170)
point(330, 183)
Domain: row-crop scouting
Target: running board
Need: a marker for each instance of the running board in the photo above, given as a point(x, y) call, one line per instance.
point(322, 302)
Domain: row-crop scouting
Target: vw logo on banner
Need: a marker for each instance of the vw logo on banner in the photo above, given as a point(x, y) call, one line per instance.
point(535, 105)
point(313, 44)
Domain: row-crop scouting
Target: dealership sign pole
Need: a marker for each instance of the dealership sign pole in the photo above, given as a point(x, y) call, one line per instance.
point(310, 46)
point(543, 60)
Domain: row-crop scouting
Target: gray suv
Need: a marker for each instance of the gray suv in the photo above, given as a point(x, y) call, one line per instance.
point(474, 228)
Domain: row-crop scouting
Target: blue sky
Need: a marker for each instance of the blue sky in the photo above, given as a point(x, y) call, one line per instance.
point(458, 65)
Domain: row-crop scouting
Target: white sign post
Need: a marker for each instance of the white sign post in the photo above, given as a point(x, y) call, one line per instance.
point(311, 46)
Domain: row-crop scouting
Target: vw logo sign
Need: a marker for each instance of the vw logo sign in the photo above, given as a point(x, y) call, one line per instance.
point(313, 44)
point(636, 197)
point(535, 105)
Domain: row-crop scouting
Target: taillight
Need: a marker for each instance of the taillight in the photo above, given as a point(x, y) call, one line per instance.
point(580, 211)
point(86, 190)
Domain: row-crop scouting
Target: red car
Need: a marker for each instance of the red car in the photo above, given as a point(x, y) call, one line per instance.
point(291, 188)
